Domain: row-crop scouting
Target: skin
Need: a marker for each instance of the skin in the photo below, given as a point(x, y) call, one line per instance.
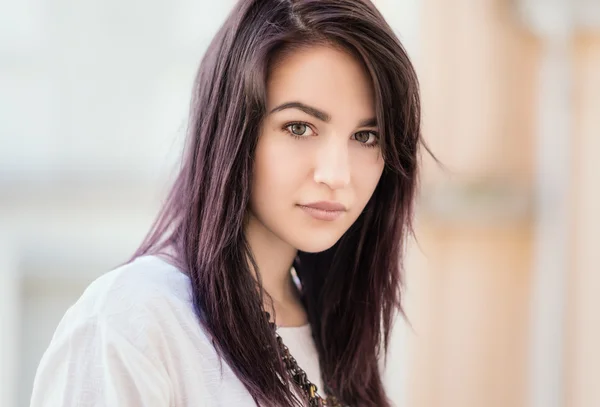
point(304, 156)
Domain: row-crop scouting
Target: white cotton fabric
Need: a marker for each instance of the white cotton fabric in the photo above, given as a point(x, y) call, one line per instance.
point(133, 339)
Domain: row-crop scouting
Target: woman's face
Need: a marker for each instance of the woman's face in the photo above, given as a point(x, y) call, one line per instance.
point(318, 142)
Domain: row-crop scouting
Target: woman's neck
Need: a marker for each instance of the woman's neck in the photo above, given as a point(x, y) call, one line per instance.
point(274, 259)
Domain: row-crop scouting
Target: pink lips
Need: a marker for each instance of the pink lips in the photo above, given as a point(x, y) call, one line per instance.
point(324, 210)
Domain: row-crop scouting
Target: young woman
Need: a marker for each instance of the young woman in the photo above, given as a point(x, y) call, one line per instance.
point(279, 248)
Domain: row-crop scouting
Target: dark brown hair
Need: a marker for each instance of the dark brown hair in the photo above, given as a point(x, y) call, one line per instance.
point(352, 290)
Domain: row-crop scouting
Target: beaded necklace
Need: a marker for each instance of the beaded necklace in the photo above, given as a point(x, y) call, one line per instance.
point(299, 375)
point(296, 372)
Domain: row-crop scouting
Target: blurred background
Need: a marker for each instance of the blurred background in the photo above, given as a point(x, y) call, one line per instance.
point(503, 282)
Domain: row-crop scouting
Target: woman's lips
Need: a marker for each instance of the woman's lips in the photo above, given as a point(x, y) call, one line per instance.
point(327, 211)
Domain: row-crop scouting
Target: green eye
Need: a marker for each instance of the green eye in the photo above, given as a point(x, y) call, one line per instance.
point(298, 128)
point(363, 136)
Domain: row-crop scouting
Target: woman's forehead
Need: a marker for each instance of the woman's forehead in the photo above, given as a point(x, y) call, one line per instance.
point(324, 77)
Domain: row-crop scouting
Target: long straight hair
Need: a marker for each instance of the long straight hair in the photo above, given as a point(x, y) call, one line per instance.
point(352, 291)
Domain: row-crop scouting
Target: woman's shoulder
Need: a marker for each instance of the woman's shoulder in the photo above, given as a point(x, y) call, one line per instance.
point(146, 303)
point(147, 283)
point(145, 298)
point(126, 341)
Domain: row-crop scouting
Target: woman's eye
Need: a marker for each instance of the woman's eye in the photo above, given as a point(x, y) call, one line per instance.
point(299, 129)
point(364, 137)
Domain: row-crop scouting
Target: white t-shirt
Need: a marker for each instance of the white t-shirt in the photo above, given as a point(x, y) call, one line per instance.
point(133, 339)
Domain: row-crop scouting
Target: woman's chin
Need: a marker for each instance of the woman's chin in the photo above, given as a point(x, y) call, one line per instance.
point(315, 244)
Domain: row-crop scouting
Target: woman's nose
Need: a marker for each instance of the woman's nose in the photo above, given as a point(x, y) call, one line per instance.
point(332, 165)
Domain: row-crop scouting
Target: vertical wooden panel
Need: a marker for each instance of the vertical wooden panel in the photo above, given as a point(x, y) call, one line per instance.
point(583, 317)
point(469, 279)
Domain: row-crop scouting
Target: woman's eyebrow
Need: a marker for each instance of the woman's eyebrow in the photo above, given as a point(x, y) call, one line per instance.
point(319, 114)
point(372, 122)
point(313, 111)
